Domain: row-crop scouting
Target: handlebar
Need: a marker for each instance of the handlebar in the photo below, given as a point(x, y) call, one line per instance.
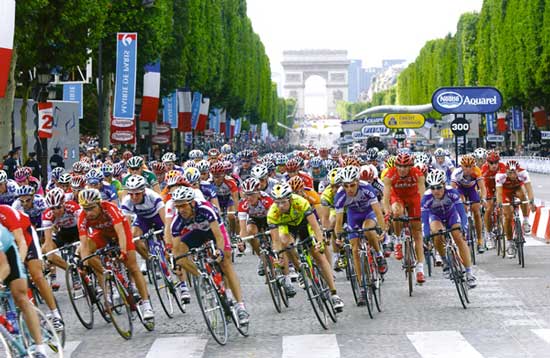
point(65, 247)
point(444, 232)
point(255, 236)
point(102, 251)
point(360, 231)
point(406, 219)
point(147, 235)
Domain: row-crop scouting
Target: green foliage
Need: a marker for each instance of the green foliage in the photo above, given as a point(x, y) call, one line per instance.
point(348, 110)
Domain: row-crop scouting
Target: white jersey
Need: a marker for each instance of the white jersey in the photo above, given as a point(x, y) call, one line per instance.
point(148, 208)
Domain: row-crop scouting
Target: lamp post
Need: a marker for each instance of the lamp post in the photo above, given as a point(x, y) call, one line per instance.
point(41, 95)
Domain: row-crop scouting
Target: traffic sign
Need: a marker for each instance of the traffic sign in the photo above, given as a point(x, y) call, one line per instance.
point(460, 126)
point(400, 136)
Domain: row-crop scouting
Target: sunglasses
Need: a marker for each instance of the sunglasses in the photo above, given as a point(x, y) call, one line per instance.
point(134, 168)
point(250, 194)
point(492, 163)
point(90, 208)
point(58, 207)
point(25, 200)
point(350, 185)
point(437, 187)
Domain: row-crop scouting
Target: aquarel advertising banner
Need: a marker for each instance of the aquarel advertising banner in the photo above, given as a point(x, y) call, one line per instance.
point(125, 84)
point(466, 100)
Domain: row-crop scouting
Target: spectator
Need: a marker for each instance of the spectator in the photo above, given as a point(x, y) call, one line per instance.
point(10, 164)
point(56, 160)
point(34, 164)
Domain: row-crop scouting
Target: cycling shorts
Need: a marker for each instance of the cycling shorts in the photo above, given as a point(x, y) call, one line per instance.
point(260, 223)
point(101, 241)
point(17, 270)
point(470, 194)
point(411, 203)
point(197, 238)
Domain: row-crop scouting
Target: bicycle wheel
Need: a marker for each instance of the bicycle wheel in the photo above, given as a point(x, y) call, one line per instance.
point(8, 349)
point(409, 263)
point(116, 300)
point(351, 274)
point(472, 239)
point(376, 282)
point(365, 282)
point(428, 259)
point(96, 294)
point(79, 297)
point(271, 282)
point(519, 241)
point(314, 297)
point(49, 336)
point(325, 293)
point(456, 274)
point(280, 284)
point(231, 310)
point(163, 290)
point(211, 308)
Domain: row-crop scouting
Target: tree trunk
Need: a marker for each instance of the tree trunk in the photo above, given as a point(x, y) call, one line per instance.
point(23, 116)
point(6, 109)
point(107, 108)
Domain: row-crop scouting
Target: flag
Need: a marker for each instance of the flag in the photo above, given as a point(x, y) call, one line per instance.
point(490, 123)
point(125, 84)
point(238, 123)
point(501, 122)
point(232, 128)
point(540, 116)
point(45, 119)
point(151, 92)
point(184, 111)
point(221, 121)
point(7, 28)
point(203, 115)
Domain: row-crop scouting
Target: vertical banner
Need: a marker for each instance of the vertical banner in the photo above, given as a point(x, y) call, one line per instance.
point(502, 126)
point(203, 115)
point(173, 99)
point(45, 119)
point(165, 110)
point(125, 85)
point(221, 121)
point(188, 138)
point(490, 123)
point(264, 131)
point(184, 110)
point(195, 109)
point(238, 124)
point(151, 92)
point(227, 127)
point(7, 30)
point(253, 130)
point(517, 119)
point(73, 93)
point(539, 114)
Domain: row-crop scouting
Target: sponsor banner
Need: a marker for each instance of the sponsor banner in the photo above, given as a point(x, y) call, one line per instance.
point(357, 124)
point(356, 135)
point(45, 120)
point(517, 119)
point(123, 131)
point(404, 120)
point(466, 100)
point(151, 92)
point(7, 30)
point(160, 139)
point(125, 84)
point(490, 119)
point(495, 138)
point(238, 124)
point(545, 135)
point(73, 93)
point(195, 109)
point(381, 130)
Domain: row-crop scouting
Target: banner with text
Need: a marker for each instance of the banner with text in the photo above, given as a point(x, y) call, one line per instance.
point(73, 93)
point(45, 120)
point(490, 119)
point(517, 119)
point(125, 85)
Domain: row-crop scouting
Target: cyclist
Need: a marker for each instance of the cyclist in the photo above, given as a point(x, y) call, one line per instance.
point(489, 171)
point(30, 203)
point(101, 222)
point(480, 155)
point(442, 162)
point(403, 188)
point(135, 166)
point(318, 171)
point(363, 211)
point(261, 173)
point(466, 179)
point(23, 176)
point(108, 170)
point(293, 169)
point(197, 222)
point(54, 176)
point(193, 177)
point(510, 184)
point(243, 171)
point(442, 209)
point(94, 180)
point(293, 217)
point(169, 160)
point(8, 189)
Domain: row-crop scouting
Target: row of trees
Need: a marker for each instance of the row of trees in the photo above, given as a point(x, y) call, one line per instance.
point(206, 46)
point(506, 45)
point(348, 110)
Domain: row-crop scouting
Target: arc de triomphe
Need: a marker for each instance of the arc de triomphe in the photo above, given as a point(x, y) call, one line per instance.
point(332, 65)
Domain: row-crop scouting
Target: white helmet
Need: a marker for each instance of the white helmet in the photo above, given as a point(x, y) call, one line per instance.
point(183, 193)
point(55, 197)
point(136, 183)
point(168, 157)
point(203, 166)
point(259, 171)
point(226, 149)
point(436, 177)
point(480, 153)
point(421, 158)
point(3, 176)
point(349, 174)
point(439, 152)
point(281, 191)
point(196, 154)
point(192, 175)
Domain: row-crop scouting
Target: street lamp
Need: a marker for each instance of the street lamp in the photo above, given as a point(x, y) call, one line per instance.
point(43, 78)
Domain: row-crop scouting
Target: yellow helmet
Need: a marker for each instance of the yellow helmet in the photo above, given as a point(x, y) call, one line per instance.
point(334, 177)
point(89, 197)
point(390, 162)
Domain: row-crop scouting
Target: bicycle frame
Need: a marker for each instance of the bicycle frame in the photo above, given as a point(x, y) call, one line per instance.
point(14, 338)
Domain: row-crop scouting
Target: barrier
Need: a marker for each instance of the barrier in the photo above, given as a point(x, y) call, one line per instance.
point(540, 223)
point(532, 164)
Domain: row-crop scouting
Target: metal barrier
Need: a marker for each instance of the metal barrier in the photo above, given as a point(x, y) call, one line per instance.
point(533, 164)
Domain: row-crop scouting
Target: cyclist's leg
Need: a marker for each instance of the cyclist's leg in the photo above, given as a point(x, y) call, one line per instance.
point(472, 195)
point(507, 197)
point(227, 267)
point(138, 228)
point(397, 210)
point(252, 229)
point(462, 245)
point(372, 236)
point(521, 195)
point(435, 226)
point(413, 209)
point(184, 264)
point(132, 265)
point(489, 215)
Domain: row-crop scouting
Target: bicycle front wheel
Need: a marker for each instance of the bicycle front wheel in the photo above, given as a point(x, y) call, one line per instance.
point(161, 286)
point(49, 337)
point(472, 239)
point(409, 263)
point(325, 293)
point(365, 282)
point(457, 276)
point(118, 307)
point(211, 308)
point(314, 297)
point(519, 241)
point(271, 282)
point(79, 297)
point(351, 274)
point(376, 282)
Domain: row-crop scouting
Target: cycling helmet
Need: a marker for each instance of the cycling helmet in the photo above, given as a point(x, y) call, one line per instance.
point(217, 168)
point(422, 158)
point(383, 155)
point(281, 191)
point(349, 174)
point(77, 182)
point(296, 183)
point(3, 176)
point(127, 155)
point(259, 171)
point(78, 167)
point(86, 167)
point(107, 169)
point(203, 166)
point(439, 152)
point(65, 178)
point(493, 156)
point(89, 197)
point(226, 149)
point(467, 161)
point(512, 165)
point(135, 162)
point(352, 160)
point(323, 152)
point(96, 165)
point(192, 175)
point(189, 164)
point(436, 177)
point(228, 166)
point(135, 184)
point(281, 160)
point(366, 173)
point(335, 153)
point(55, 197)
point(372, 153)
point(480, 153)
point(168, 157)
point(300, 161)
point(24, 190)
point(404, 159)
point(183, 193)
point(158, 167)
point(196, 154)
point(231, 157)
point(246, 154)
point(423, 168)
point(292, 165)
point(214, 153)
point(334, 176)
point(20, 175)
point(177, 180)
point(315, 162)
point(117, 170)
point(94, 176)
point(390, 162)
point(250, 185)
point(56, 172)
point(85, 160)
point(330, 164)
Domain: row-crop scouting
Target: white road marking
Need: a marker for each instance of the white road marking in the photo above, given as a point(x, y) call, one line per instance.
point(543, 333)
point(176, 347)
point(70, 347)
point(448, 344)
point(311, 345)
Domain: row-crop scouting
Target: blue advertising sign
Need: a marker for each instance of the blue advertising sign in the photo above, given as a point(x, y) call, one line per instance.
point(490, 119)
point(73, 92)
point(170, 110)
point(466, 100)
point(125, 85)
point(517, 119)
point(195, 109)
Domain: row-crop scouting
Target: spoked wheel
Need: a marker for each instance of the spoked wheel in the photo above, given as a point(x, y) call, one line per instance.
point(118, 307)
point(457, 276)
point(49, 335)
point(79, 296)
point(365, 283)
point(211, 308)
point(96, 294)
point(231, 310)
point(352, 275)
point(519, 241)
point(281, 285)
point(472, 239)
point(314, 297)
point(409, 263)
point(163, 289)
point(376, 282)
point(272, 282)
point(325, 293)
point(429, 257)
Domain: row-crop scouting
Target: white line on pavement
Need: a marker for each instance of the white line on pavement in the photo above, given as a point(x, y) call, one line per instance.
point(176, 347)
point(543, 333)
point(312, 345)
point(448, 344)
point(70, 347)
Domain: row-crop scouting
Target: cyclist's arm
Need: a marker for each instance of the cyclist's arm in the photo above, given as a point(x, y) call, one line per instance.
point(48, 240)
point(386, 196)
point(84, 248)
point(530, 194)
point(482, 189)
point(215, 227)
point(216, 203)
point(499, 194)
point(459, 206)
point(339, 223)
point(426, 222)
point(21, 242)
point(312, 221)
point(379, 216)
point(4, 266)
point(324, 212)
point(421, 185)
point(121, 234)
point(275, 237)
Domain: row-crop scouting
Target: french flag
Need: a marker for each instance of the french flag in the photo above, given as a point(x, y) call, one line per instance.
point(203, 115)
point(221, 128)
point(184, 111)
point(151, 92)
point(232, 129)
point(7, 28)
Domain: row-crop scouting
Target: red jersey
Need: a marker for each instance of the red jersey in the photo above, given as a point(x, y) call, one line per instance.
point(407, 186)
point(13, 220)
point(110, 216)
point(67, 220)
point(258, 211)
point(503, 180)
point(489, 175)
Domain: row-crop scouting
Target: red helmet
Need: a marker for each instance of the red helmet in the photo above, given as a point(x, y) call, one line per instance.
point(493, 156)
point(293, 165)
point(352, 160)
point(227, 165)
point(214, 152)
point(158, 167)
point(127, 155)
point(404, 159)
point(512, 165)
point(217, 168)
